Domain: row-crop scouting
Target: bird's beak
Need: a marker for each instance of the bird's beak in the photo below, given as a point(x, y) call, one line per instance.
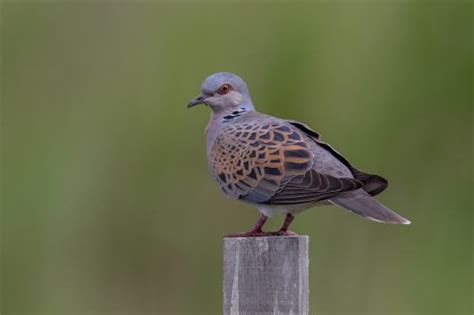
point(200, 99)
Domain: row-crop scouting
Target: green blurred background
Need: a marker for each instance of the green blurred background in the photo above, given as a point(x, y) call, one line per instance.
point(107, 205)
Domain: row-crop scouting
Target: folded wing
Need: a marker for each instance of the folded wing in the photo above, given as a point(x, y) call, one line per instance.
point(271, 163)
point(372, 184)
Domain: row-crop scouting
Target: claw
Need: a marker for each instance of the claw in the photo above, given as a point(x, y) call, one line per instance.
point(284, 233)
point(251, 234)
point(257, 230)
point(261, 234)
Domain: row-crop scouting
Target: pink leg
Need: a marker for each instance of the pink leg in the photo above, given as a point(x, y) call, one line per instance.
point(284, 228)
point(256, 231)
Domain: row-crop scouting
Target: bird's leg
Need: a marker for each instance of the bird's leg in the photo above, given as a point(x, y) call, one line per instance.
point(256, 231)
point(284, 228)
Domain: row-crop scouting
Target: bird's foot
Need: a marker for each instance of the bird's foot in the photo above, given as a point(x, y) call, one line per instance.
point(251, 234)
point(284, 233)
point(261, 234)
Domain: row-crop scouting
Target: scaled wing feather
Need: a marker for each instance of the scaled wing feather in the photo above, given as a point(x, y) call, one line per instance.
point(271, 163)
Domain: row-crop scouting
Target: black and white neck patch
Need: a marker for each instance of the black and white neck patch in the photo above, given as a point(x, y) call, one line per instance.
point(234, 115)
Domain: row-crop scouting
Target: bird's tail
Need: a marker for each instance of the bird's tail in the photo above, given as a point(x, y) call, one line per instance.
point(363, 204)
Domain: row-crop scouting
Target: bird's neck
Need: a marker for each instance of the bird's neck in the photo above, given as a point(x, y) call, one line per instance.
point(220, 118)
point(230, 114)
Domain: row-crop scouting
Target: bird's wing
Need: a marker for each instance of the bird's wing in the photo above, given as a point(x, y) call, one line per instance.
point(373, 184)
point(271, 162)
point(359, 201)
point(305, 128)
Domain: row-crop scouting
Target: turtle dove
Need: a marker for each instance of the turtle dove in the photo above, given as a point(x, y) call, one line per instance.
point(278, 165)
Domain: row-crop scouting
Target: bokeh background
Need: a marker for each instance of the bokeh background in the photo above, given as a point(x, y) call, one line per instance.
point(107, 205)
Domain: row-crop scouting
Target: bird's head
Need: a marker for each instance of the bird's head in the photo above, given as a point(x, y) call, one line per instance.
point(223, 92)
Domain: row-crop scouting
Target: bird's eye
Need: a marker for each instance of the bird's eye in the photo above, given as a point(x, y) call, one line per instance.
point(224, 89)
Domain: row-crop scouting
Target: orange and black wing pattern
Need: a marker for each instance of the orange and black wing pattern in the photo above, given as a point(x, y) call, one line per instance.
point(271, 163)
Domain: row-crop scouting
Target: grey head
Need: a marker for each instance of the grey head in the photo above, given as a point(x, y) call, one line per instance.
point(223, 92)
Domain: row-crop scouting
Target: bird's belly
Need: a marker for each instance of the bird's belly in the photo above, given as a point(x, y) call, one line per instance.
point(271, 210)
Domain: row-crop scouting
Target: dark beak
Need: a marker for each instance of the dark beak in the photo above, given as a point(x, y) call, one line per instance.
point(200, 99)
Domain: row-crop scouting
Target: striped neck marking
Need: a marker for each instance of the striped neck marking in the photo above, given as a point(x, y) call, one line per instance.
point(234, 115)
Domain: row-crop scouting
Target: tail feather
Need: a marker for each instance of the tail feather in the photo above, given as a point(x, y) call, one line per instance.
point(361, 203)
point(373, 184)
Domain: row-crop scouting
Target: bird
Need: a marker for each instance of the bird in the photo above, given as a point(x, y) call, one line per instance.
point(280, 166)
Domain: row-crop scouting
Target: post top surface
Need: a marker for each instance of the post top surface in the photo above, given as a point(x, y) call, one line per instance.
point(267, 238)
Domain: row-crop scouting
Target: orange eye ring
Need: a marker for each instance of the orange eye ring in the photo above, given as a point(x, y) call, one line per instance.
point(224, 89)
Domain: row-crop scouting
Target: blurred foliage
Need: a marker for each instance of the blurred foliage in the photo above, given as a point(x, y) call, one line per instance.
point(107, 206)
